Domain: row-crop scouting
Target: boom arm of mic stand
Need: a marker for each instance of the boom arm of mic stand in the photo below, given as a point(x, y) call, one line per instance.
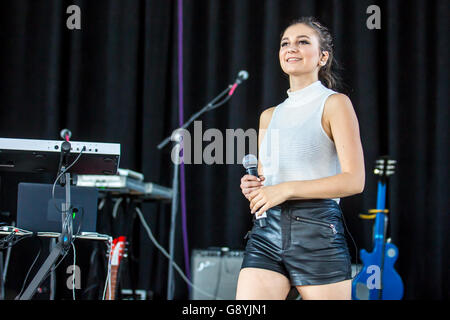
point(208, 107)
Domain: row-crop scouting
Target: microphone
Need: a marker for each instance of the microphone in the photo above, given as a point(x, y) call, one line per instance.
point(65, 134)
point(250, 163)
point(242, 76)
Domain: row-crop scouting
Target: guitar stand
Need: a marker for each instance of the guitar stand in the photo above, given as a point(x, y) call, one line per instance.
point(373, 213)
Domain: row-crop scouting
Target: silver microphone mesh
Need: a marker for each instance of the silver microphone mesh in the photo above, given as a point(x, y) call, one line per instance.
point(249, 161)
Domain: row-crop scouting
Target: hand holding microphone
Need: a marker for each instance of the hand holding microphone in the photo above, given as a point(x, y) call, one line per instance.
point(251, 182)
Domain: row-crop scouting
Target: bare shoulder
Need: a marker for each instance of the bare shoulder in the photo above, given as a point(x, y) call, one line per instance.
point(338, 102)
point(265, 117)
point(338, 105)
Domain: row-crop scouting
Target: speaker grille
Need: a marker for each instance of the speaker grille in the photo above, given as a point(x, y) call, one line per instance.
point(215, 273)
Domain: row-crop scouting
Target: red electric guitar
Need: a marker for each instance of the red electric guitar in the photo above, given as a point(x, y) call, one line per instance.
point(117, 253)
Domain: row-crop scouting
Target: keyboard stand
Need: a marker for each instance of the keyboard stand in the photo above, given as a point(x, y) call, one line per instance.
point(57, 251)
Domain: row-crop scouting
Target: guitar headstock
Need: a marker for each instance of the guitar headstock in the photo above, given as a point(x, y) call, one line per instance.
point(385, 167)
point(117, 250)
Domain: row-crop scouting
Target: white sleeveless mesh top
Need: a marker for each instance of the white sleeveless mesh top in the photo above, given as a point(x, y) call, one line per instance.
point(295, 146)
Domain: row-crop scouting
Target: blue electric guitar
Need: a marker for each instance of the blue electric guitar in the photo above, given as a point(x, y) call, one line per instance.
point(378, 279)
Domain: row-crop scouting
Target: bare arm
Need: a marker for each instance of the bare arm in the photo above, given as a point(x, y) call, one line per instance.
point(264, 121)
point(250, 183)
point(345, 131)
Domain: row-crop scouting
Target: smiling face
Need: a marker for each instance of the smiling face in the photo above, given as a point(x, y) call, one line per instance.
point(300, 52)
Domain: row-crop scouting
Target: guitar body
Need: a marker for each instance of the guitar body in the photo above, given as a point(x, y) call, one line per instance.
point(366, 285)
point(378, 280)
point(374, 282)
point(392, 283)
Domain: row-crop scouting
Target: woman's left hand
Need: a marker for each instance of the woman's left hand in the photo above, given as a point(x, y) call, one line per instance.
point(266, 197)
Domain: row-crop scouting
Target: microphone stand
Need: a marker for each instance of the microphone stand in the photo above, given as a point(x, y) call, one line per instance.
point(208, 107)
point(176, 137)
point(65, 239)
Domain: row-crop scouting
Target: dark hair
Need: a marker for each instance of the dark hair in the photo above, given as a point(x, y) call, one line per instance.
point(327, 74)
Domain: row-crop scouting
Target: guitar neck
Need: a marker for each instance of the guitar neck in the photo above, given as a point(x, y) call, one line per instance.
point(380, 217)
point(114, 270)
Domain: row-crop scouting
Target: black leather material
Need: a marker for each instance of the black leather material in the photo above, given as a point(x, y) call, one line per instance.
point(304, 240)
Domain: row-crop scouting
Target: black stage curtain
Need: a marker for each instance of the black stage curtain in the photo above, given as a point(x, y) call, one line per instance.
point(115, 80)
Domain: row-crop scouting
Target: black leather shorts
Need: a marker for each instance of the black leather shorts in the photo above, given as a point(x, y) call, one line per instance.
point(303, 240)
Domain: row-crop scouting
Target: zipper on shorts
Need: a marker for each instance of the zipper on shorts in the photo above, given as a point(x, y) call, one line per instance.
point(328, 225)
